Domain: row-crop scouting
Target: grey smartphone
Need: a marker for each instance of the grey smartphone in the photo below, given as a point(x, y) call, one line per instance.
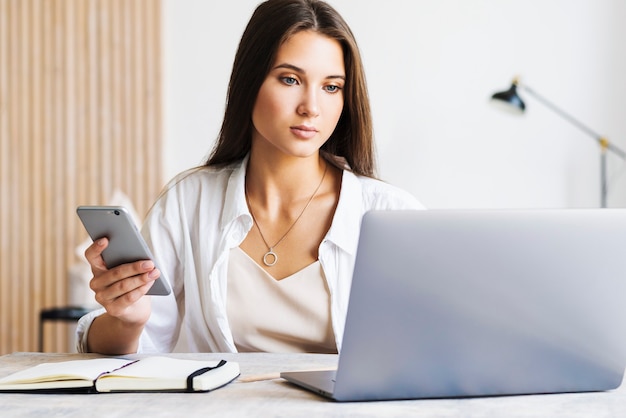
point(126, 245)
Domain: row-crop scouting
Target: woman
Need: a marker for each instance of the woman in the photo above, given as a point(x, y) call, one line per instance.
point(260, 242)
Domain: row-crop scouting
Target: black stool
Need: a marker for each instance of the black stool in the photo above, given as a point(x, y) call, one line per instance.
point(66, 314)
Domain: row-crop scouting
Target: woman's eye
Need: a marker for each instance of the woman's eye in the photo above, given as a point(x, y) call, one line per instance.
point(332, 89)
point(289, 81)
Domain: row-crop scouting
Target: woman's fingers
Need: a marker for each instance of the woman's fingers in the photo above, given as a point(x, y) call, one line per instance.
point(111, 284)
point(120, 289)
point(127, 305)
point(93, 254)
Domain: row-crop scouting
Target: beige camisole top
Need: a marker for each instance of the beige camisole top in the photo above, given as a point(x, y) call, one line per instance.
point(269, 315)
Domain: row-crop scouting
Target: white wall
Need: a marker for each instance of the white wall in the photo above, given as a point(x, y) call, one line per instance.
point(431, 67)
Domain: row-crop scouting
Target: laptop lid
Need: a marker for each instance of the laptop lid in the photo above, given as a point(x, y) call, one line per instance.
point(456, 303)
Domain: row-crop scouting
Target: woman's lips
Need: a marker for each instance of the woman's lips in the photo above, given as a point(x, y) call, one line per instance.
point(304, 132)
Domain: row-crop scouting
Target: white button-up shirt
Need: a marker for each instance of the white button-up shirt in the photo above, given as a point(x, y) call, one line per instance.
point(191, 229)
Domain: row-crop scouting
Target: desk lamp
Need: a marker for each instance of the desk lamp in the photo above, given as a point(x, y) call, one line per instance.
point(514, 103)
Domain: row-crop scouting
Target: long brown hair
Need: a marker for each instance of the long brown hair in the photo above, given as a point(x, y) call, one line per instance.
point(271, 24)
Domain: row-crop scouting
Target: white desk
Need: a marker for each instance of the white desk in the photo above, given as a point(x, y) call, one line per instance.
point(275, 397)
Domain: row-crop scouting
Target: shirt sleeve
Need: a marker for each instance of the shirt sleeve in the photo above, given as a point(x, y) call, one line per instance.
point(165, 235)
point(82, 329)
point(379, 195)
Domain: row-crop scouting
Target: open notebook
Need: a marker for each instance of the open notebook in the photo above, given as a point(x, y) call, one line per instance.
point(108, 374)
point(455, 303)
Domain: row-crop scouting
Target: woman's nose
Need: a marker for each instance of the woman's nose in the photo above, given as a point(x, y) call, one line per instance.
point(309, 106)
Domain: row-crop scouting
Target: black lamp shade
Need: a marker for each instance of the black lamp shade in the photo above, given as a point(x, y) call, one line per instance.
point(510, 98)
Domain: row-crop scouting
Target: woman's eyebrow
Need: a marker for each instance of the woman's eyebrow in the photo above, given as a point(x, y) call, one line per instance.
point(302, 71)
point(290, 67)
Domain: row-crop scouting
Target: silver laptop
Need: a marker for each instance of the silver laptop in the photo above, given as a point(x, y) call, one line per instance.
point(457, 303)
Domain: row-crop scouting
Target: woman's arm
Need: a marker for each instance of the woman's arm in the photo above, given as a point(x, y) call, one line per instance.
point(121, 291)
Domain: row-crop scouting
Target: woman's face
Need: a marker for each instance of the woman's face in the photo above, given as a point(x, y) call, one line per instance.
point(301, 99)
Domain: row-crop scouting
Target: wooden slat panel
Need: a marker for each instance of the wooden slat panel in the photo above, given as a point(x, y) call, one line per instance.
point(13, 185)
point(80, 103)
point(5, 288)
point(37, 110)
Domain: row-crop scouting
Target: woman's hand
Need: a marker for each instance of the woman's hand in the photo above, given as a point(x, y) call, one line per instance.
point(120, 290)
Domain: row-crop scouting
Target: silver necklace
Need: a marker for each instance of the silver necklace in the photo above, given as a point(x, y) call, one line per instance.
point(270, 258)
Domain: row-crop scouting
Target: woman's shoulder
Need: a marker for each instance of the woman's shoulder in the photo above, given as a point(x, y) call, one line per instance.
point(204, 185)
point(196, 190)
point(201, 177)
point(378, 194)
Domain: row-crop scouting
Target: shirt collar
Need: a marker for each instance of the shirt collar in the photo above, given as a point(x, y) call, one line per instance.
point(235, 205)
point(344, 230)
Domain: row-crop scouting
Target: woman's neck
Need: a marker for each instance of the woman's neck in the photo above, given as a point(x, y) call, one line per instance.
point(283, 179)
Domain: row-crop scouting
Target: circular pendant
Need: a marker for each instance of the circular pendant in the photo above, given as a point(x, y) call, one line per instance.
point(270, 258)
